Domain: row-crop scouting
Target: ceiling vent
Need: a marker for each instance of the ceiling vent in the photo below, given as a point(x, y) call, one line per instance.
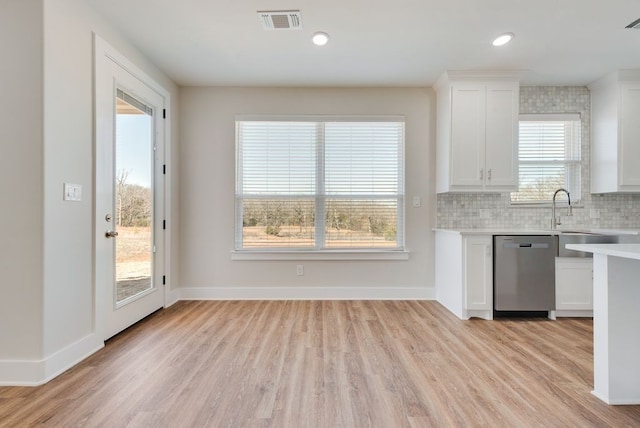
point(280, 19)
point(634, 24)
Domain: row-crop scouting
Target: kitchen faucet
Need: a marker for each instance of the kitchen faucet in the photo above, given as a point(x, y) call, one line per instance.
point(556, 222)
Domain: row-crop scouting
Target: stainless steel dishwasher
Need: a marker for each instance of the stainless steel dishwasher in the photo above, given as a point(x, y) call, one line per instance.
point(524, 273)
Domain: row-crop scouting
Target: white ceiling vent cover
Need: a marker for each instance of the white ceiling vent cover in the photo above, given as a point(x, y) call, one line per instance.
point(280, 19)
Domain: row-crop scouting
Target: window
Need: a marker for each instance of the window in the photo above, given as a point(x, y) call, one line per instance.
point(320, 185)
point(549, 156)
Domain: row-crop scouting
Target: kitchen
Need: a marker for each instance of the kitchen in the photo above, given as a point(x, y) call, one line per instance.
point(477, 227)
point(50, 319)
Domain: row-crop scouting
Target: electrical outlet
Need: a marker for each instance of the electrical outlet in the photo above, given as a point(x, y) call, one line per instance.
point(300, 270)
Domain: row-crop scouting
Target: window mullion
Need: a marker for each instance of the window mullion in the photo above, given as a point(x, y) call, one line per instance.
point(239, 187)
point(401, 191)
point(320, 205)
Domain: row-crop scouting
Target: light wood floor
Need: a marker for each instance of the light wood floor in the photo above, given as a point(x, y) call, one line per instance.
point(327, 364)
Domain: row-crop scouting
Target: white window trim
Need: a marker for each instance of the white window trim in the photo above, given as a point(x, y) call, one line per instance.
point(277, 254)
point(327, 254)
point(319, 118)
point(551, 117)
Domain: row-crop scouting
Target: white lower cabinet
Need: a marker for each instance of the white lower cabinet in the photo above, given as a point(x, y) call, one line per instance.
point(478, 272)
point(464, 278)
point(574, 287)
point(464, 274)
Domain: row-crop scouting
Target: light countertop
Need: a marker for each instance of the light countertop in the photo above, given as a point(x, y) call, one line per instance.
point(560, 231)
point(629, 251)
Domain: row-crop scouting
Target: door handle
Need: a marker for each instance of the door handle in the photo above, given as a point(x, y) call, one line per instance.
point(111, 234)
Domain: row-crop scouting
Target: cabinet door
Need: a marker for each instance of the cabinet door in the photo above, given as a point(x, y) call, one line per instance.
point(574, 284)
point(478, 272)
point(629, 156)
point(467, 135)
point(501, 153)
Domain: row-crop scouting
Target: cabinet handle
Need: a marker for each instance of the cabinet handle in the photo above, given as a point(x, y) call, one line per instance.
point(481, 174)
point(489, 175)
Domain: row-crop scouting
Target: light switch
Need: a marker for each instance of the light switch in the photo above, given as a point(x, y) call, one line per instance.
point(416, 202)
point(72, 192)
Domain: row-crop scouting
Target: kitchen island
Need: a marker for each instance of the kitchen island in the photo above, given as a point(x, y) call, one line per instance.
point(616, 321)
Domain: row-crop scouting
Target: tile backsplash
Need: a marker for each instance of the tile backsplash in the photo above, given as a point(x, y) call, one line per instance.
point(489, 210)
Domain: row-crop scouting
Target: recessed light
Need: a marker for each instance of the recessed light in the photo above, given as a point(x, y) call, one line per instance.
point(503, 39)
point(320, 38)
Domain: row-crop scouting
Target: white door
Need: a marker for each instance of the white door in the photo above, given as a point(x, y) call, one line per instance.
point(129, 196)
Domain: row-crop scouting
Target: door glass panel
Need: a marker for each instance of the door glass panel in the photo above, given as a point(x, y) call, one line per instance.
point(133, 197)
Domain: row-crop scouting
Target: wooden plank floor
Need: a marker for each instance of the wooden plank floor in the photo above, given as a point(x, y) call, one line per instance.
point(326, 364)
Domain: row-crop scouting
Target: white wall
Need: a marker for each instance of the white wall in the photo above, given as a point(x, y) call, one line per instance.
point(21, 176)
point(68, 71)
point(46, 128)
point(207, 186)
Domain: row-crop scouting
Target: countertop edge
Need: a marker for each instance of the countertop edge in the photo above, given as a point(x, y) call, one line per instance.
point(628, 251)
point(537, 231)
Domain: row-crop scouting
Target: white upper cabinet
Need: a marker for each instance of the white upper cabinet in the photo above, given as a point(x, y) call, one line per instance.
point(615, 124)
point(477, 132)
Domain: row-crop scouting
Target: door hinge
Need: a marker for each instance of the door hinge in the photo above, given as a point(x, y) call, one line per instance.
point(164, 224)
point(164, 280)
point(164, 113)
point(164, 168)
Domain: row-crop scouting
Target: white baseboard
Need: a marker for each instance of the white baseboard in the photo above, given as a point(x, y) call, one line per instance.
point(39, 372)
point(307, 293)
point(614, 402)
point(574, 313)
point(172, 297)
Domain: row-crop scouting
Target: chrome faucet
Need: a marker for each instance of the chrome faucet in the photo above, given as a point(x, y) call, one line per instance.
point(556, 222)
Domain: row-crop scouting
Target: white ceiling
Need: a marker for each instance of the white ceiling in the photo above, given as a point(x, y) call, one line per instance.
point(379, 43)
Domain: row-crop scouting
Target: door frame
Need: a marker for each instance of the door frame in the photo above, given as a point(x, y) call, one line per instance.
point(104, 51)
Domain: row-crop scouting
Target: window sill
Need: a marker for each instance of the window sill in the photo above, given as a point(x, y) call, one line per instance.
point(321, 255)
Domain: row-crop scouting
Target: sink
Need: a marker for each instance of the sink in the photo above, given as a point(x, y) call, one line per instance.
point(568, 237)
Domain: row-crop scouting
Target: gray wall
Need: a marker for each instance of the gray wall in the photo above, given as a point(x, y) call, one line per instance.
point(68, 153)
point(208, 184)
point(21, 174)
point(46, 128)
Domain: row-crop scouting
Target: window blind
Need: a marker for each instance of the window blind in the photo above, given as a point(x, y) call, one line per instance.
point(277, 158)
point(549, 156)
point(319, 184)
